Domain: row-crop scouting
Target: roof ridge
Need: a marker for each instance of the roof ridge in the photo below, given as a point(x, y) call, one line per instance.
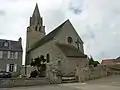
point(50, 36)
point(60, 26)
point(8, 40)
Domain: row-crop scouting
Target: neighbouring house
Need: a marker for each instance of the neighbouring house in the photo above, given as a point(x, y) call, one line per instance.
point(117, 60)
point(62, 46)
point(11, 55)
point(108, 62)
point(111, 61)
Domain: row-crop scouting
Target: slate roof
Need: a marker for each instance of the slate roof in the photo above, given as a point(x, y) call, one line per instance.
point(12, 45)
point(48, 37)
point(71, 51)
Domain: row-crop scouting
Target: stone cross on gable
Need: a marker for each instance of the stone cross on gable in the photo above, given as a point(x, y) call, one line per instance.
point(78, 44)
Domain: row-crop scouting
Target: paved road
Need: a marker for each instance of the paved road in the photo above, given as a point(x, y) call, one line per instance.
point(107, 83)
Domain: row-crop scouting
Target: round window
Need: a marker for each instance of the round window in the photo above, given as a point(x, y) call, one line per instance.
point(70, 40)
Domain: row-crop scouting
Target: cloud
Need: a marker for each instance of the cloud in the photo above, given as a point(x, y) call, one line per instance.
point(96, 21)
point(98, 25)
point(15, 20)
point(2, 12)
point(75, 6)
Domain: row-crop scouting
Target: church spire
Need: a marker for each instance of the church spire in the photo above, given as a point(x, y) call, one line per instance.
point(36, 18)
point(36, 12)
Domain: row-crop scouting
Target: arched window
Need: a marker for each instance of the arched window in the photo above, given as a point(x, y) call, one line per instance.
point(59, 63)
point(36, 28)
point(39, 28)
point(48, 58)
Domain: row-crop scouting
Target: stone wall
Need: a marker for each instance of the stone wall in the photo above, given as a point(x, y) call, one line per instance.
point(69, 65)
point(91, 73)
point(25, 71)
point(53, 74)
point(17, 82)
point(85, 74)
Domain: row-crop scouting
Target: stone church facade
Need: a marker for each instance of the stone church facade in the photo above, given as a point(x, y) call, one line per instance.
point(63, 46)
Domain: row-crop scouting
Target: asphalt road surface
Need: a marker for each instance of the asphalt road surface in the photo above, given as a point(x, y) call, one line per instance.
point(106, 83)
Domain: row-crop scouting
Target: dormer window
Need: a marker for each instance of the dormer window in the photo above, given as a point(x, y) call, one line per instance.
point(6, 44)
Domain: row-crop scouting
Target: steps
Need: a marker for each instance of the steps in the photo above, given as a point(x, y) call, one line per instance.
point(69, 79)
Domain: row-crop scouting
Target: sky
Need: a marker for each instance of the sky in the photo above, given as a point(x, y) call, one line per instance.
point(96, 21)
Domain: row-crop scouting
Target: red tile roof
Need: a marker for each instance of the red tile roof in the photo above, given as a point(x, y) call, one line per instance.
point(108, 62)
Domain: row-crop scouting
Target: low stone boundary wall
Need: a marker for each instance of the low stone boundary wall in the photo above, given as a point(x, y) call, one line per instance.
point(9, 83)
point(91, 73)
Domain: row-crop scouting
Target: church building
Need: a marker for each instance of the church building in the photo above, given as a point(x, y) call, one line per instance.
point(62, 46)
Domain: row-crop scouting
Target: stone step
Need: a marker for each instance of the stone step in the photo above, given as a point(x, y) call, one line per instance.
point(65, 78)
point(68, 79)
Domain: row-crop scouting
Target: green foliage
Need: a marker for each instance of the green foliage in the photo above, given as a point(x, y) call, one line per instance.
point(92, 62)
point(33, 74)
point(39, 62)
point(96, 63)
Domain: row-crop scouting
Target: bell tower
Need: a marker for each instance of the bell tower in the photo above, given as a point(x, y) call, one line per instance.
point(35, 30)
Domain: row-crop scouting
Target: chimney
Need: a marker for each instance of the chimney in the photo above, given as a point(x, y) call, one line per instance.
point(20, 40)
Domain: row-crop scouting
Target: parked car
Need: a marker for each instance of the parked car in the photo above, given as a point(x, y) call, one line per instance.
point(4, 74)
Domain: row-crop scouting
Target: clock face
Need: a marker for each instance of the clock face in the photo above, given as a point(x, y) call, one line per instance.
point(70, 40)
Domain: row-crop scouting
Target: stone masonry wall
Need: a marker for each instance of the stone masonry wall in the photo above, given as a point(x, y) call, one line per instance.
point(28, 70)
point(91, 73)
point(53, 74)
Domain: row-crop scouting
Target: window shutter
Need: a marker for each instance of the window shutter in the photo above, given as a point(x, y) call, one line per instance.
point(1, 53)
point(8, 54)
point(15, 67)
point(7, 68)
point(16, 55)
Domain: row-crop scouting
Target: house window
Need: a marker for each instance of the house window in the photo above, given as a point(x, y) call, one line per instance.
point(5, 54)
point(13, 55)
point(11, 67)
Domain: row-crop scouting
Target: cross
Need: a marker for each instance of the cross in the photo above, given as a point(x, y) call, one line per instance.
point(77, 42)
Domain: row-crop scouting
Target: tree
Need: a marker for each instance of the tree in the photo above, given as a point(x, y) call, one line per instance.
point(92, 62)
point(96, 63)
point(39, 62)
